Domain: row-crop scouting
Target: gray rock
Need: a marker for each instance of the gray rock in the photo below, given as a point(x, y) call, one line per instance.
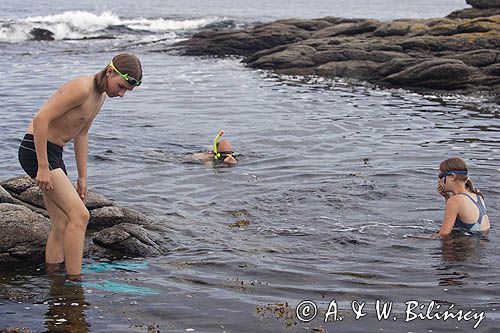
point(394, 28)
point(478, 58)
point(243, 42)
point(18, 184)
point(94, 200)
point(484, 24)
point(352, 69)
point(436, 73)
point(6, 197)
point(355, 54)
point(131, 239)
point(110, 216)
point(293, 56)
point(456, 43)
point(41, 34)
point(484, 4)
point(33, 196)
point(470, 13)
point(24, 234)
point(393, 66)
point(493, 70)
point(308, 25)
point(403, 52)
point(354, 28)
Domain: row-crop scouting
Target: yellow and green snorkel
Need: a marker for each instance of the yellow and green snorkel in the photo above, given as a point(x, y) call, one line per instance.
point(214, 150)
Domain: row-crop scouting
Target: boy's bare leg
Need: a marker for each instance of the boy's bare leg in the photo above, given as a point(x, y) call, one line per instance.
point(64, 196)
point(54, 253)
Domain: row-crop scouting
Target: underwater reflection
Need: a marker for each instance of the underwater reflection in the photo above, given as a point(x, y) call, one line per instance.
point(66, 305)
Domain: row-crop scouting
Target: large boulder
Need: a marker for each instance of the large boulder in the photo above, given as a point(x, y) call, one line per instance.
point(479, 58)
point(293, 56)
point(351, 28)
point(24, 234)
point(484, 4)
point(110, 216)
point(131, 239)
point(470, 13)
point(41, 34)
point(436, 73)
point(18, 185)
point(243, 42)
point(352, 69)
point(440, 53)
point(25, 227)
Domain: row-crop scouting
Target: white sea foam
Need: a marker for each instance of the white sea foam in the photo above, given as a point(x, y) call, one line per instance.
point(83, 24)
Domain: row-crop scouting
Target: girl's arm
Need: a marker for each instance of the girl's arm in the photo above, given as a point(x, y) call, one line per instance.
point(450, 215)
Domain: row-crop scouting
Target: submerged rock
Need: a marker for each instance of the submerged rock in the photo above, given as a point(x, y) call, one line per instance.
point(25, 226)
point(441, 53)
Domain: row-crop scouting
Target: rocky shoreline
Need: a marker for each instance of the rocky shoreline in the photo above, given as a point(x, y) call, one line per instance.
point(456, 53)
point(112, 230)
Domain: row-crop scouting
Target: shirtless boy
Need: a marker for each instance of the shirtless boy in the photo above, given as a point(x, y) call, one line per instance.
point(66, 116)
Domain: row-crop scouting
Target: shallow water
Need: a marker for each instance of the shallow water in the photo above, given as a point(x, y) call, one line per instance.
point(334, 180)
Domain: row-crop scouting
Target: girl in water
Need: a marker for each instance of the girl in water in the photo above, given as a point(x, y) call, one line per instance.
point(465, 208)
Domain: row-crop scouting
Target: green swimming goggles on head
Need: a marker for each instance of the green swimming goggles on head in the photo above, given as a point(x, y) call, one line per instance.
point(131, 80)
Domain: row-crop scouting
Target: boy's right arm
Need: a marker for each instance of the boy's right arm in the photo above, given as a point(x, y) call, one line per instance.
point(69, 96)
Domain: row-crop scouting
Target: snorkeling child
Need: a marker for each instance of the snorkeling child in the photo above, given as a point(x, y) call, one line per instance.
point(465, 208)
point(222, 152)
point(66, 116)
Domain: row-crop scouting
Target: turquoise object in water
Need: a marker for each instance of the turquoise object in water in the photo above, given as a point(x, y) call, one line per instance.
point(120, 288)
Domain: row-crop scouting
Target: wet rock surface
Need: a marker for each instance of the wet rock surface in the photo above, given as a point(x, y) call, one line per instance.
point(25, 225)
point(459, 52)
point(130, 238)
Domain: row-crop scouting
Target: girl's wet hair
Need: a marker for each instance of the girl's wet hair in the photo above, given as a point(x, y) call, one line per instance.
point(126, 63)
point(458, 164)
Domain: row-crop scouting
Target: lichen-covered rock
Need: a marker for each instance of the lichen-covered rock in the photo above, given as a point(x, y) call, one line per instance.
point(294, 56)
point(479, 58)
point(352, 28)
point(33, 196)
point(18, 184)
point(470, 13)
point(131, 239)
point(24, 234)
point(351, 69)
point(94, 200)
point(436, 73)
point(110, 216)
point(480, 25)
point(6, 197)
point(25, 227)
point(439, 53)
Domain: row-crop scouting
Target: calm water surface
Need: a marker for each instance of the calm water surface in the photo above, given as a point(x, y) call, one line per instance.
point(334, 180)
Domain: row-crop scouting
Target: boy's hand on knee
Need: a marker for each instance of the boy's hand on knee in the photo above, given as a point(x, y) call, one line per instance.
point(81, 187)
point(44, 179)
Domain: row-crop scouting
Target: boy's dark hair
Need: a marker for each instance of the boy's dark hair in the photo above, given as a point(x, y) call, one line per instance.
point(126, 63)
